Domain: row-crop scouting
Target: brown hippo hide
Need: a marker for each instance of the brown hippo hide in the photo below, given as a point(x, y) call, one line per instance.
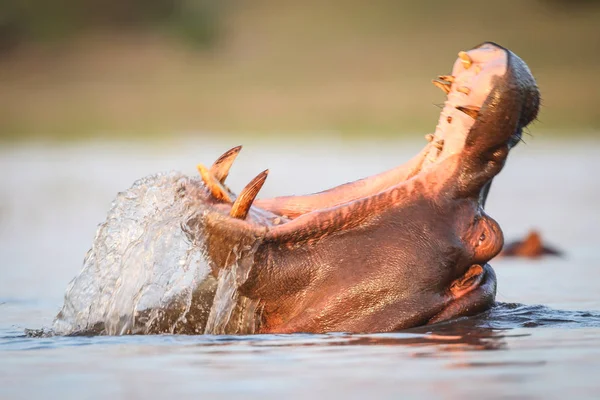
point(403, 248)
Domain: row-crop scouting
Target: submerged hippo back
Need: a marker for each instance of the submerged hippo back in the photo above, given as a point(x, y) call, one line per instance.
point(144, 273)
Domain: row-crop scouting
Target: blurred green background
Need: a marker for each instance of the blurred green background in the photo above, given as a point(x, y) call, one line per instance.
point(72, 69)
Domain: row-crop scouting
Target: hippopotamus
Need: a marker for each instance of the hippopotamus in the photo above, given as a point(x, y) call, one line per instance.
point(531, 246)
point(404, 248)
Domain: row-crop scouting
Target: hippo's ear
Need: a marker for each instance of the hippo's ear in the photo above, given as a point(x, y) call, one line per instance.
point(511, 105)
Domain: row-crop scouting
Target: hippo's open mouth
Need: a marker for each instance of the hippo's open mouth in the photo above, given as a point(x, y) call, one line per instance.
point(407, 247)
point(475, 85)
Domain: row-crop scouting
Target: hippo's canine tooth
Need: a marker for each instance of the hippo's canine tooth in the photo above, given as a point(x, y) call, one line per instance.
point(215, 187)
point(220, 168)
point(242, 204)
point(447, 78)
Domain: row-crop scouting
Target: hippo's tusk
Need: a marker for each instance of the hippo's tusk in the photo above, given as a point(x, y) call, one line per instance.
point(215, 187)
point(465, 59)
point(220, 168)
point(471, 111)
point(242, 204)
point(445, 86)
point(447, 78)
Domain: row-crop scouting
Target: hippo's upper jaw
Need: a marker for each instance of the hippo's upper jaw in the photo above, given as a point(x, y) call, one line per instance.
point(407, 247)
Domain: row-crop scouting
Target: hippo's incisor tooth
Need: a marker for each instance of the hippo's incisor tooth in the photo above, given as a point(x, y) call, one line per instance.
point(442, 85)
point(215, 187)
point(429, 137)
point(471, 111)
point(242, 204)
point(463, 89)
point(220, 168)
point(465, 59)
point(447, 78)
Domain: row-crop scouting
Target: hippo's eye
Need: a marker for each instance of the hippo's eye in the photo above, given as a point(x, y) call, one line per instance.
point(482, 237)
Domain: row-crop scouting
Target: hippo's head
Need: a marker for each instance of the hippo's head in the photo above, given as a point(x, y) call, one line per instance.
point(407, 247)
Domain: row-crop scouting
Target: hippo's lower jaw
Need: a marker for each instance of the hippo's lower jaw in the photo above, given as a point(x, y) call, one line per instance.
point(404, 248)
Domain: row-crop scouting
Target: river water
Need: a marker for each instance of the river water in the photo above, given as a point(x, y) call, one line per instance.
point(542, 341)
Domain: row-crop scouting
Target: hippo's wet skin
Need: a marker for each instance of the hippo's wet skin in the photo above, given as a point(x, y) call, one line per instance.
point(404, 248)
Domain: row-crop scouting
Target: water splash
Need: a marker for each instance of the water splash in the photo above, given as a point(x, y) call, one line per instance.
point(232, 313)
point(145, 274)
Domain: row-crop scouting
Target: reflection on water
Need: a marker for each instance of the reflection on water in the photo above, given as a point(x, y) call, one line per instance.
point(52, 198)
point(470, 357)
point(485, 331)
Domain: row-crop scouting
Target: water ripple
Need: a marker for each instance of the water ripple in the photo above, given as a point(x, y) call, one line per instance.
point(487, 331)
